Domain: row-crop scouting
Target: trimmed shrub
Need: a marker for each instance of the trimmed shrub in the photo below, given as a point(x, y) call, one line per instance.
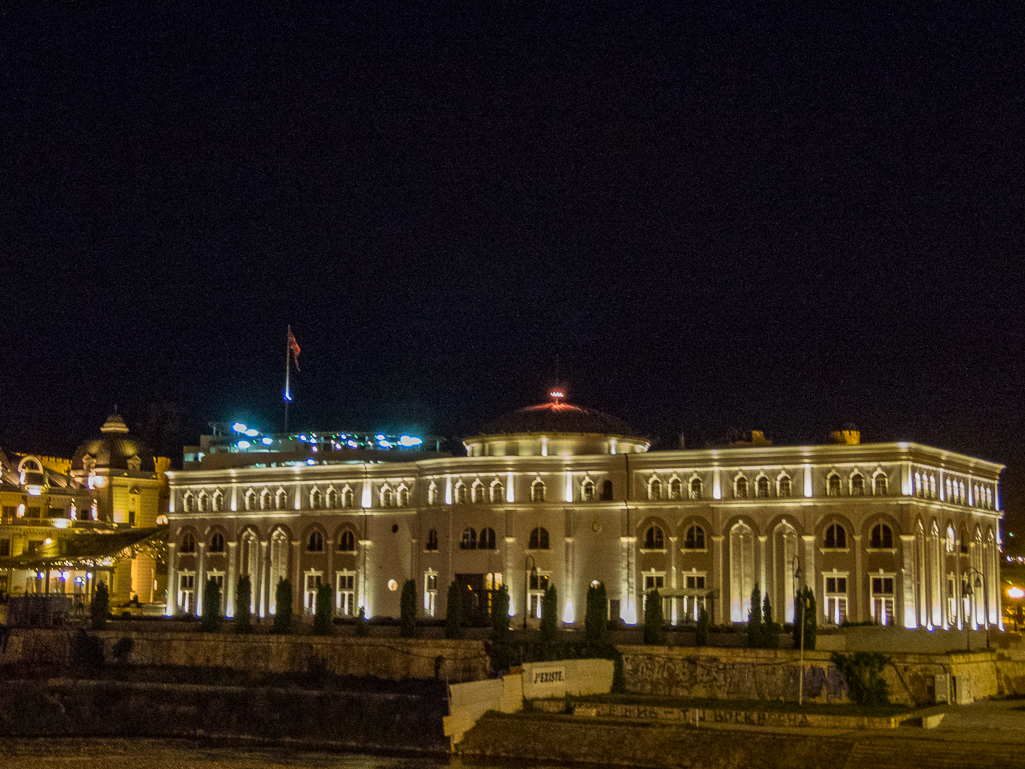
point(87, 652)
point(863, 672)
point(362, 627)
point(211, 606)
point(654, 622)
point(99, 609)
point(283, 607)
point(454, 612)
point(704, 625)
point(596, 620)
point(755, 629)
point(322, 611)
point(770, 629)
point(243, 598)
point(549, 625)
point(407, 625)
point(501, 647)
point(804, 616)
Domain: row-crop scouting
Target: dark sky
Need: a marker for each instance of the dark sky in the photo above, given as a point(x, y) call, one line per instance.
point(713, 218)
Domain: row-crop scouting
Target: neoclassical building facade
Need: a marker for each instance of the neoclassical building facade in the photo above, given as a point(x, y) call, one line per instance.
point(893, 533)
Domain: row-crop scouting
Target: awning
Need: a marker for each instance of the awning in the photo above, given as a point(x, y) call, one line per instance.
point(85, 551)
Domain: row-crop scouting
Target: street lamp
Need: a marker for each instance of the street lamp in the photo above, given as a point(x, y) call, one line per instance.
point(798, 574)
point(528, 572)
point(968, 592)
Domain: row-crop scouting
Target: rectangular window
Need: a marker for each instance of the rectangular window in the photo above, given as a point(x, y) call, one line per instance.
point(345, 598)
point(5, 547)
point(656, 581)
point(693, 604)
point(614, 608)
point(430, 593)
point(882, 600)
point(187, 592)
point(538, 585)
point(10, 511)
point(836, 600)
point(35, 545)
point(314, 579)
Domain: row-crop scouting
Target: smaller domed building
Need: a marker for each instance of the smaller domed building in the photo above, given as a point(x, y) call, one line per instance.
point(892, 533)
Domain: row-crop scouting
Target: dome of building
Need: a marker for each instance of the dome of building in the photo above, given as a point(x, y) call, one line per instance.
point(555, 428)
point(113, 449)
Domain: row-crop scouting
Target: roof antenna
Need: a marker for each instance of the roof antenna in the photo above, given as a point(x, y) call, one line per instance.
point(558, 392)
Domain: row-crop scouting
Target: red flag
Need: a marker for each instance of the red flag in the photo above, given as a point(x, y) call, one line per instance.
point(293, 347)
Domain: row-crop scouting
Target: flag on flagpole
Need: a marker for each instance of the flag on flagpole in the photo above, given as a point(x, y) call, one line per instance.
point(293, 348)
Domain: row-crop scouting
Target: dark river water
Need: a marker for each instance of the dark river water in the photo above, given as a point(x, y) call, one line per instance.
point(178, 754)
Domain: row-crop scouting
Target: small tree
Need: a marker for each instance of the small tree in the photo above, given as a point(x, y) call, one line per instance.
point(407, 626)
point(100, 607)
point(654, 628)
point(701, 637)
point(211, 606)
point(322, 611)
point(549, 625)
point(863, 672)
point(454, 612)
point(770, 629)
point(755, 629)
point(804, 616)
point(596, 621)
point(243, 599)
point(500, 616)
point(283, 607)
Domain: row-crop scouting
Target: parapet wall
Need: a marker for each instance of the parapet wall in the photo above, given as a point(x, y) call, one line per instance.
point(390, 658)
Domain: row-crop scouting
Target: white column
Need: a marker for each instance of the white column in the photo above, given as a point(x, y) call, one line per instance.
point(855, 586)
point(171, 606)
point(262, 577)
point(719, 578)
point(673, 581)
point(907, 578)
point(200, 575)
point(229, 587)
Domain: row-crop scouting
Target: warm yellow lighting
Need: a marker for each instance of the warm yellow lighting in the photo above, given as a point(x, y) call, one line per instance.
point(161, 520)
point(34, 491)
point(1016, 593)
point(61, 523)
point(47, 541)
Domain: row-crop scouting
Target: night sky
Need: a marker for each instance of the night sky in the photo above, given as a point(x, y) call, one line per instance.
point(700, 219)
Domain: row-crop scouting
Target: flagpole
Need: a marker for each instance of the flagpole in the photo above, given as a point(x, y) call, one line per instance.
point(288, 370)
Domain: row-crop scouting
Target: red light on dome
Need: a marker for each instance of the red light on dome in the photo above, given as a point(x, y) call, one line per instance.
point(557, 394)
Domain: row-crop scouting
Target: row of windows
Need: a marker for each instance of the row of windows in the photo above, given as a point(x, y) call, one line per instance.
point(925, 488)
point(314, 543)
point(333, 499)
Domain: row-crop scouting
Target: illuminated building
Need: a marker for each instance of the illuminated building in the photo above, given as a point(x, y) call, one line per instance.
point(52, 506)
point(888, 532)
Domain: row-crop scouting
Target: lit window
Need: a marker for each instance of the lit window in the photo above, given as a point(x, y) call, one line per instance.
point(587, 491)
point(951, 541)
point(537, 491)
point(432, 494)
point(836, 600)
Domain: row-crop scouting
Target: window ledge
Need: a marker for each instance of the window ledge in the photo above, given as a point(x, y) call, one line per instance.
point(693, 549)
point(890, 550)
point(653, 550)
point(834, 550)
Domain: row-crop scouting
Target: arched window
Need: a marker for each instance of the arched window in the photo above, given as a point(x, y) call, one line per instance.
point(265, 500)
point(857, 485)
point(315, 544)
point(387, 497)
point(461, 493)
point(469, 539)
point(204, 502)
point(487, 539)
point(784, 487)
point(762, 488)
point(655, 489)
point(740, 488)
point(537, 491)
point(432, 540)
point(835, 537)
point(675, 489)
point(606, 491)
point(919, 490)
point(217, 543)
point(403, 496)
point(218, 502)
point(250, 500)
point(315, 498)
point(188, 543)
point(279, 547)
point(961, 488)
point(477, 492)
point(432, 494)
point(347, 542)
point(331, 499)
point(833, 485)
point(280, 500)
point(881, 537)
point(654, 539)
point(497, 493)
point(695, 488)
point(587, 491)
point(951, 540)
point(538, 539)
point(879, 485)
point(695, 539)
point(932, 486)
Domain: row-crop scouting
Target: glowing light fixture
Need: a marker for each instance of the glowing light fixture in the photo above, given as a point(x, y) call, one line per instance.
point(34, 491)
point(239, 427)
point(61, 523)
point(1016, 593)
point(47, 541)
point(252, 432)
point(310, 461)
point(303, 437)
point(266, 441)
point(408, 441)
point(243, 445)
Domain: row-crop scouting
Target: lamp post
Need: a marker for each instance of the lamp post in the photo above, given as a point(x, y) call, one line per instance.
point(798, 574)
point(969, 592)
point(1015, 593)
point(528, 572)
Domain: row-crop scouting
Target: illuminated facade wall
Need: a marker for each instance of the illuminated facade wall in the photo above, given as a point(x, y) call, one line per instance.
point(887, 532)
